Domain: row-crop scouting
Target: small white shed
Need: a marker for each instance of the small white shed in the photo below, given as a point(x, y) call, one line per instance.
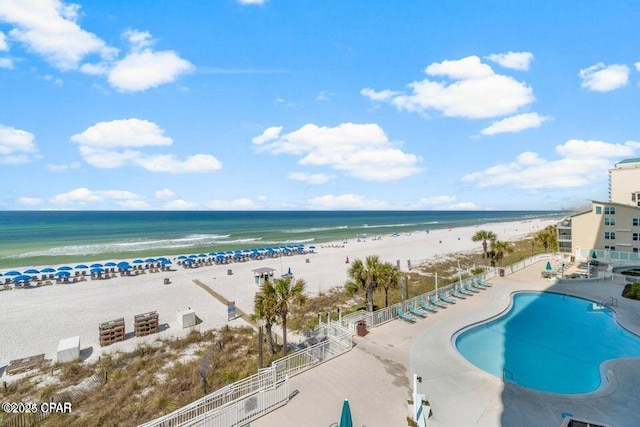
point(186, 318)
point(69, 349)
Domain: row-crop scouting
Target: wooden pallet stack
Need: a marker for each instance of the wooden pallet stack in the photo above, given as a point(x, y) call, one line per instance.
point(111, 332)
point(146, 323)
point(26, 364)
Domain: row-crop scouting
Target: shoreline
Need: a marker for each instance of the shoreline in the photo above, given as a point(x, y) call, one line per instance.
point(36, 319)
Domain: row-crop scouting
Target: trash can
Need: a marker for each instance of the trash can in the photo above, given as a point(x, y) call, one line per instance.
point(362, 328)
point(229, 272)
point(166, 281)
point(501, 272)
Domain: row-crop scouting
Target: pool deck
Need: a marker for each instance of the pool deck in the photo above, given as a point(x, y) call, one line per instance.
point(375, 375)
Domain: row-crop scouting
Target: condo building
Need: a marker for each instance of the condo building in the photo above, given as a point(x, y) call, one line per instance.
point(610, 230)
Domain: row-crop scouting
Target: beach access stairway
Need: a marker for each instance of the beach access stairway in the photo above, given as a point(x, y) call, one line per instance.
point(239, 403)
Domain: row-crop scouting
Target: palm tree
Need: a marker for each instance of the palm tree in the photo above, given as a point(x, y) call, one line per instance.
point(498, 250)
point(485, 237)
point(285, 293)
point(389, 278)
point(365, 275)
point(264, 309)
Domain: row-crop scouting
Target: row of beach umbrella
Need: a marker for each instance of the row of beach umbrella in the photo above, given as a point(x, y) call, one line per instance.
point(65, 270)
point(98, 268)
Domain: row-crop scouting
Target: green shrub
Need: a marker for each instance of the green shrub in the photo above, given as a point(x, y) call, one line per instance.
point(632, 291)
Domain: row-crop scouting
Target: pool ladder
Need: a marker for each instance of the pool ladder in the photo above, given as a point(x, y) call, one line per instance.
point(611, 301)
point(506, 375)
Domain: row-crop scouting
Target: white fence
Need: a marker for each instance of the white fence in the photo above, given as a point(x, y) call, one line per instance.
point(245, 400)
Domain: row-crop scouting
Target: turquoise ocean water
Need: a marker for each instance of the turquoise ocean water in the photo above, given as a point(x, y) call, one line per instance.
point(41, 238)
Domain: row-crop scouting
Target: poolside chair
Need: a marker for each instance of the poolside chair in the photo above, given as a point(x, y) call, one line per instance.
point(456, 294)
point(415, 311)
point(477, 285)
point(463, 291)
point(483, 283)
point(404, 316)
point(445, 298)
point(437, 303)
point(468, 287)
point(427, 306)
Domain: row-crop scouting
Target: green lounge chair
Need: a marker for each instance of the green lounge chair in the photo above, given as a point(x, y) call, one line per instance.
point(445, 298)
point(463, 291)
point(470, 288)
point(404, 316)
point(456, 294)
point(415, 311)
point(483, 283)
point(477, 285)
point(437, 303)
point(427, 306)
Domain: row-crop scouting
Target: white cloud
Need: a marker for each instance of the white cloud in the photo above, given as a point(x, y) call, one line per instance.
point(580, 163)
point(436, 200)
point(516, 123)
point(147, 69)
point(49, 28)
point(602, 78)
point(345, 201)
point(360, 150)
point(240, 204)
point(16, 146)
point(165, 194)
point(133, 204)
point(262, 198)
point(247, 2)
point(464, 206)
point(6, 63)
point(4, 46)
point(106, 145)
point(29, 201)
point(310, 178)
point(63, 168)
point(323, 96)
point(180, 205)
point(84, 196)
point(637, 65)
point(473, 91)
point(515, 60)
point(56, 80)
point(123, 133)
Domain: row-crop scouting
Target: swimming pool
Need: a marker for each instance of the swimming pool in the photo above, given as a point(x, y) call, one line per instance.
point(549, 342)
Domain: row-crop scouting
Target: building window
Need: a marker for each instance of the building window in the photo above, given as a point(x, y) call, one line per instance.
point(636, 222)
point(636, 236)
point(598, 210)
point(610, 248)
point(635, 250)
point(633, 197)
point(609, 210)
point(609, 235)
point(609, 220)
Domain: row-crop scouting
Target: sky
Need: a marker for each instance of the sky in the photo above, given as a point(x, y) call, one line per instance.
point(315, 105)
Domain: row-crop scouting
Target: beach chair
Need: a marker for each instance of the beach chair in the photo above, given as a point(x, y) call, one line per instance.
point(427, 306)
point(437, 303)
point(463, 291)
point(415, 311)
point(456, 294)
point(443, 297)
point(483, 283)
point(477, 284)
point(468, 287)
point(404, 316)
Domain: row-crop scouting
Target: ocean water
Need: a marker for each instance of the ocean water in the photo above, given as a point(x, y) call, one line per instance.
point(38, 238)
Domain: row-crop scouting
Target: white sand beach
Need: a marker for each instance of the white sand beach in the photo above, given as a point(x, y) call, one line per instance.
point(34, 320)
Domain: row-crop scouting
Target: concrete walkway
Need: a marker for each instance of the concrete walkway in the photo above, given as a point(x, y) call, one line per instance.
point(374, 376)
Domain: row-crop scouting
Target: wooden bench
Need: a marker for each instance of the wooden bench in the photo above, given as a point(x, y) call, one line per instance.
point(25, 364)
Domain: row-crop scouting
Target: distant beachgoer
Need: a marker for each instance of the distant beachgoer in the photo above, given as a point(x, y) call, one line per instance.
point(347, 260)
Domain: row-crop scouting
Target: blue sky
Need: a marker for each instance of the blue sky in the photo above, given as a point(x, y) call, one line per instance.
point(299, 104)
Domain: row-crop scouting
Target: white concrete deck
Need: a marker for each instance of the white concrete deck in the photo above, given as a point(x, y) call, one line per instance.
point(374, 376)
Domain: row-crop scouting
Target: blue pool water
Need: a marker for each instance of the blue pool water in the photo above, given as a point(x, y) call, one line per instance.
point(548, 342)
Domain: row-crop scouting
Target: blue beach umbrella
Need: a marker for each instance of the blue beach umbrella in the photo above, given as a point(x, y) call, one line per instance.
point(96, 265)
point(345, 417)
point(12, 273)
point(65, 268)
point(48, 270)
point(212, 254)
point(548, 267)
point(81, 267)
point(97, 270)
point(165, 261)
point(151, 260)
point(123, 265)
point(202, 255)
point(22, 278)
point(138, 261)
point(110, 264)
point(63, 274)
point(182, 257)
point(32, 271)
